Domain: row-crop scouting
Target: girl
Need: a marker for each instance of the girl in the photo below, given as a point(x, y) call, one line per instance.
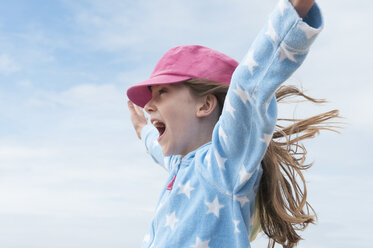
point(219, 144)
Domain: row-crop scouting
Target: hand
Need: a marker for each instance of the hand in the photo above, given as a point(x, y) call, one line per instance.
point(138, 118)
point(302, 6)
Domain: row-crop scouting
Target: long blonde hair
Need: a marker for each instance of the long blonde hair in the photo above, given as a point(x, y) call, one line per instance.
point(282, 208)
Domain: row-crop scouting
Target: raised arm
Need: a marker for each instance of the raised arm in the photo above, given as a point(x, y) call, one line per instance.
point(146, 133)
point(245, 128)
point(138, 118)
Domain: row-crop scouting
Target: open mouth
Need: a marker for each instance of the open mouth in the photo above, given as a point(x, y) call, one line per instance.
point(160, 126)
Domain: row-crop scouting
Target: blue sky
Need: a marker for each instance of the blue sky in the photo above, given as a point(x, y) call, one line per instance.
point(72, 172)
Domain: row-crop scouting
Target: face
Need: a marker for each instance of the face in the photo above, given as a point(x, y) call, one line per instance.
point(172, 111)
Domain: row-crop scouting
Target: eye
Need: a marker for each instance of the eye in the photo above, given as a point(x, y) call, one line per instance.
point(162, 91)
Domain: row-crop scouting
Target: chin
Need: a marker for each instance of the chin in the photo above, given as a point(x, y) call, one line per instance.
point(166, 152)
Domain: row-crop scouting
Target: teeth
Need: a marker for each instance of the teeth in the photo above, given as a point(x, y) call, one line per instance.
point(157, 123)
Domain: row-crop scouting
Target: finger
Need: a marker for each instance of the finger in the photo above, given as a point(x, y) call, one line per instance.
point(137, 114)
point(139, 110)
point(131, 107)
point(133, 112)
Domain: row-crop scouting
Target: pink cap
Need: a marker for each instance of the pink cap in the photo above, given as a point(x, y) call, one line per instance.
point(182, 63)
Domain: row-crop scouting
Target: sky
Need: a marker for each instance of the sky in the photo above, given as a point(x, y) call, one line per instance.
point(72, 171)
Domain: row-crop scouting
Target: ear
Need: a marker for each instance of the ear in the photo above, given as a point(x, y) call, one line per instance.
point(206, 105)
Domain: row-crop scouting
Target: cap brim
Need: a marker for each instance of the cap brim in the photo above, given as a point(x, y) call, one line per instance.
point(140, 94)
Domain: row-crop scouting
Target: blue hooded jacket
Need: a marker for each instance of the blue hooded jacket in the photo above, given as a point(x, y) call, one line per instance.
point(209, 197)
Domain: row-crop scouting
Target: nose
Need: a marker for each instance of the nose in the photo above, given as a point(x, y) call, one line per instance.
point(150, 107)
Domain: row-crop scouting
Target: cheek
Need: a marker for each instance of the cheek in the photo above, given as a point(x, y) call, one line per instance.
point(178, 119)
point(184, 124)
point(181, 114)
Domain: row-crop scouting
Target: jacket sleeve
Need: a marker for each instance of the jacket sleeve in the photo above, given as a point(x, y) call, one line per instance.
point(244, 130)
point(149, 136)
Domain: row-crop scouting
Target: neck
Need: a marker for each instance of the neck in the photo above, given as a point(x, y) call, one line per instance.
point(202, 134)
point(196, 145)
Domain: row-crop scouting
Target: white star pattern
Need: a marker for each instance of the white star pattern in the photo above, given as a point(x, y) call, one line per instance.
point(250, 61)
point(201, 244)
point(283, 5)
point(286, 54)
point(186, 189)
point(267, 138)
point(214, 207)
point(244, 95)
point(242, 200)
point(244, 176)
point(236, 222)
point(310, 32)
point(222, 134)
point(171, 220)
point(272, 32)
point(220, 160)
point(229, 108)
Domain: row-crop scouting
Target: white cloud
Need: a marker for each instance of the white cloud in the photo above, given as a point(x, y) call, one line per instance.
point(25, 83)
point(101, 98)
point(17, 152)
point(80, 160)
point(147, 26)
point(357, 107)
point(8, 65)
point(67, 177)
point(88, 95)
